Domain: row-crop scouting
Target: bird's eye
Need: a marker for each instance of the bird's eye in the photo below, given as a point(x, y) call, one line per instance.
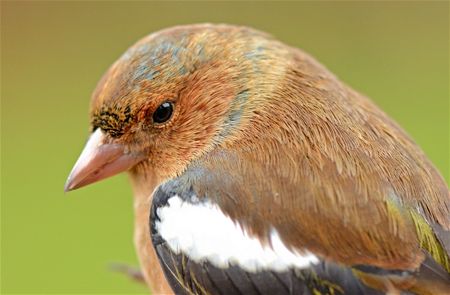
point(163, 112)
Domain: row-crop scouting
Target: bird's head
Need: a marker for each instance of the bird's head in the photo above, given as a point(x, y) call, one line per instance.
point(174, 96)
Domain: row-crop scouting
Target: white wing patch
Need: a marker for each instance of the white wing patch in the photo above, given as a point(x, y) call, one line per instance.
point(202, 232)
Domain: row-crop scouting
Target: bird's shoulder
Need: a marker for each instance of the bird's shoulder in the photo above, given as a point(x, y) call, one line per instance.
point(209, 215)
point(203, 251)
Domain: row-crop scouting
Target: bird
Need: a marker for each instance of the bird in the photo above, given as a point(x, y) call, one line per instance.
point(256, 170)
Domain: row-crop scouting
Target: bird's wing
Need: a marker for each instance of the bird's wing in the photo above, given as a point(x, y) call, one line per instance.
point(202, 251)
point(337, 223)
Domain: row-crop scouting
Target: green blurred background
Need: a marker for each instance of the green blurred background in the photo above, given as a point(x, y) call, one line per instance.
point(52, 55)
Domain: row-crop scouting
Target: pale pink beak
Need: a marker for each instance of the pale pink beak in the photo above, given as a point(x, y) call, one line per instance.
point(100, 160)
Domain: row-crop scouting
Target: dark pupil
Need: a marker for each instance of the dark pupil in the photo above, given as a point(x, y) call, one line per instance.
point(163, 113)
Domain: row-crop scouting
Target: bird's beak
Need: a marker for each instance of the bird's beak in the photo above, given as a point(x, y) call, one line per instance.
point(100, 160)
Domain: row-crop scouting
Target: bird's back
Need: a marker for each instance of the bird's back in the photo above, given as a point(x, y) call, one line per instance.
point(332, 173)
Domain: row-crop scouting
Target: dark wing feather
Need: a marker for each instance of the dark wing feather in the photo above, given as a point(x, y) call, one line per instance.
point(189, 277)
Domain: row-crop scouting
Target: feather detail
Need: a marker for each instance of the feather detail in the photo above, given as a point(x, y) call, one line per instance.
point(429, 242)
point(221, 241)
point(278, 143)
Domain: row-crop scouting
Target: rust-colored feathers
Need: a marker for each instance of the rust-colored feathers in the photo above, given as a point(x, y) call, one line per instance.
point(278, 142)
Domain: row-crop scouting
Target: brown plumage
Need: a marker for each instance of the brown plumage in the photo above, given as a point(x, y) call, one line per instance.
point(276, 141)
